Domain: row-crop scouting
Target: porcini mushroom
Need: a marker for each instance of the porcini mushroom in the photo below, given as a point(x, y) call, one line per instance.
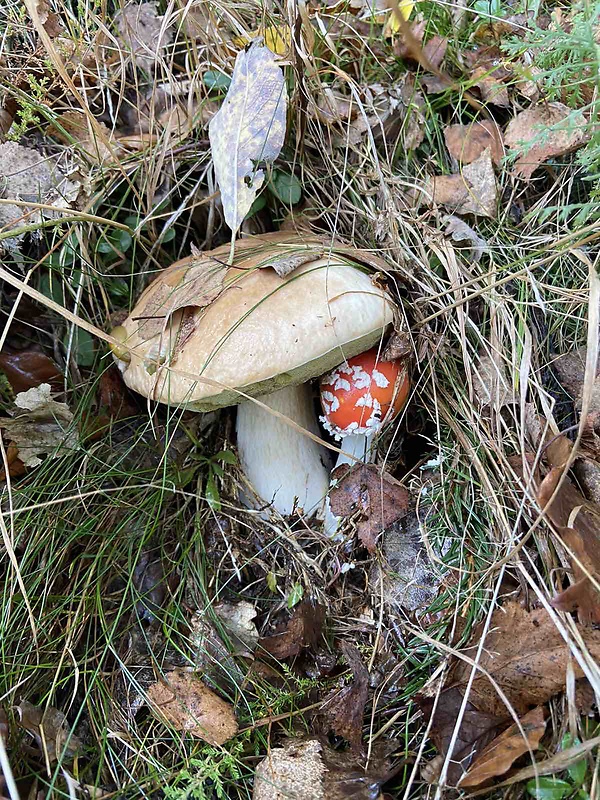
point(359, 397)
point(263, 335)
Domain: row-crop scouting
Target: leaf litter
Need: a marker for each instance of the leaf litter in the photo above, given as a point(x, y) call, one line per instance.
point(525, 656)
point(344, 708)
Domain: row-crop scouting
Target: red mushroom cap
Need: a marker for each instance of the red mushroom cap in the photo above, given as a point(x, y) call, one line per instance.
point(362, 394)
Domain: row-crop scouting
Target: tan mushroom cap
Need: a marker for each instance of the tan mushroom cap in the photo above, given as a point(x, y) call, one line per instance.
point(263, 332)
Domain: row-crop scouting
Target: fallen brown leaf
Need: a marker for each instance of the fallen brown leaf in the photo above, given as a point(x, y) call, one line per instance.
point(303, 629)
point(49, 728)
point(542, 132)
point(466, 143)
point(15, 466)
point(378, 498)
point(434, 50)
point(473, 191)
point(344, 709)
point(500, 754)
point(577, 521)
point(459, 231)
point(28, 368)
point(190, 706)
point(477, 730)
point(570, 369)
point(526, 656)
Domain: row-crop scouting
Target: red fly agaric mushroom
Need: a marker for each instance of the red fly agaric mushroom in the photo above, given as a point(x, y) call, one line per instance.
point(358, 397)
point(263, 335)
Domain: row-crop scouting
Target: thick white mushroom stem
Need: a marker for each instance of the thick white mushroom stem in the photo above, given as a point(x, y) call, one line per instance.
point(286, 467)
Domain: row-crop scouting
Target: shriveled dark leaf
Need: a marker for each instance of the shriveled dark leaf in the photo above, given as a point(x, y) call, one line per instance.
point(503, 751)
point(477, 729)
point(150, 584)
point(114, 397)
point(344, 709)
point(28, 368)
point(194, 285)
point(49, 728)
point(303, 629)
point(399, 345)
point(377, 498)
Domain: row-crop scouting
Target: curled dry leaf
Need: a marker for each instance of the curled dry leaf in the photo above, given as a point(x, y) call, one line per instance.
point(466, 143)
point(526, 656)
point(473, 191)
point(28, 368)
point(40, 426)
point(488, 72)
point(190, 706)
point(303, 629)
point(542, 132)
point(377, 498)
point(195, 284)
point(503, 751)
point(433, 50)
point(459, 231)
point(248, 130)
point(143, 33)
point(27, 175)
point(50, 729)
point(344, 709)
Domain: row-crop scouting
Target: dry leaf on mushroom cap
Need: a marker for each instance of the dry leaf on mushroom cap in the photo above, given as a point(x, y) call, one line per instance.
point(542, 132)
point(248, 130)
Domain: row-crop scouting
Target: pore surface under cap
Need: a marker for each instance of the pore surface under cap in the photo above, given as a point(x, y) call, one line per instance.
point(261, 334)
